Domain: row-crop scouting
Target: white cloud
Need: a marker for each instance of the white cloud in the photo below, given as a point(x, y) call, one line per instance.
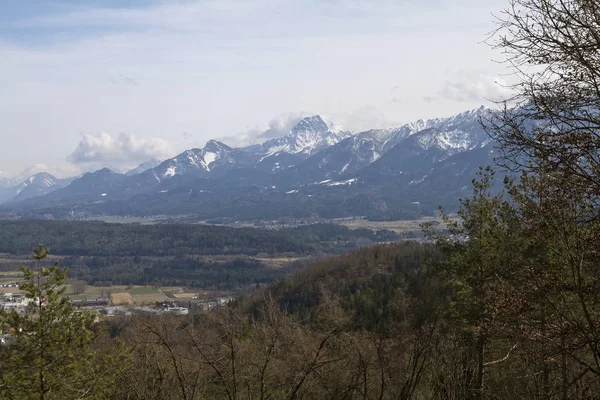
point(359, 120)
point(124, 151)
point(469, 86)
point(57, 170)
point(364, 118)
point(279, 126)
point(62, 170)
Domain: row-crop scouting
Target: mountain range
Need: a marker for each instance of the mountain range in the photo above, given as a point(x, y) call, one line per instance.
point(316, 170)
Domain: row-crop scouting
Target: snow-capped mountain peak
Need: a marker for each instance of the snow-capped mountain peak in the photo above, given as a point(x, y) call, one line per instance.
point(42, 180)
point(461, 131)
point(198, 160)
point(452, 135)
point(457, 133)
point(308, 136)
point(215, 146)
point(314, 124)
point(189, 159)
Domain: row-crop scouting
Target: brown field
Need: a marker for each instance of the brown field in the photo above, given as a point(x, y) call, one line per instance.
point(10, 290)
point(148, 298)
point(121, 298)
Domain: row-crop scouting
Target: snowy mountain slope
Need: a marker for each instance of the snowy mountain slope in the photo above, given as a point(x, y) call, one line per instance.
point(36, 185)
point(308, 136)
point(456, 134)
point(41, 180)
point(452, 135)
point(143, 167)
point(215, 155)
point(380, 173)
point(90, 187)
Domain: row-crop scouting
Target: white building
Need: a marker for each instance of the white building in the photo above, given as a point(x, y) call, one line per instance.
point(14, 301)
point(178, 310)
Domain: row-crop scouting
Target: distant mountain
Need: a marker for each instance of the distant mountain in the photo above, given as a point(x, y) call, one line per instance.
point(89, 188)
point(452, 135)
point(313, 171)
point(39, 185)
point(351, 154)
point(215, 156)
point(308, 136)
point(143, 167)
point(460, 133)
point(34, 186)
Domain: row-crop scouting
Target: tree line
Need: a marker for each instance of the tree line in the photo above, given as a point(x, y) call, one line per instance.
point(179, 254)
point(74, 238)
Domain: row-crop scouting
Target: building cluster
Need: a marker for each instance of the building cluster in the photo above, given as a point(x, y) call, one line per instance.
point(114, 311)
point(14, 301)
point(91, 302)
point(14, 285)
point(213, 302)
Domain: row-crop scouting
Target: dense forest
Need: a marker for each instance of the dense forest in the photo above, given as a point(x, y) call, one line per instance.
point(103, 239)
point(179, 254)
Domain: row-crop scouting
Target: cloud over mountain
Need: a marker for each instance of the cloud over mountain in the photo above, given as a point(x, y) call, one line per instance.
point(465, 86)
point(278, 127)
point(121, 151)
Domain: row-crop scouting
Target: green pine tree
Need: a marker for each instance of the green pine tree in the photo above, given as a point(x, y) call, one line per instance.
point(478, 249)
point(52, 354)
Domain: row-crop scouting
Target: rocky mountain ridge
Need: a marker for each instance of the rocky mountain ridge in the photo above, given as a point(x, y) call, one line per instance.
point(314, 170)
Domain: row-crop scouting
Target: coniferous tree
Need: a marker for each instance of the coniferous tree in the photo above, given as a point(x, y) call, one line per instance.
point(51, 355)
point(478, 250)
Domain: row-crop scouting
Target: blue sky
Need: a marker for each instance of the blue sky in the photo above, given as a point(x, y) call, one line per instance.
point(127, 80)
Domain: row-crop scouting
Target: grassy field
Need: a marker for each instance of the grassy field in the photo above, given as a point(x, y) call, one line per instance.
point(396, 226)
point(139, 294)
point(141, 290)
